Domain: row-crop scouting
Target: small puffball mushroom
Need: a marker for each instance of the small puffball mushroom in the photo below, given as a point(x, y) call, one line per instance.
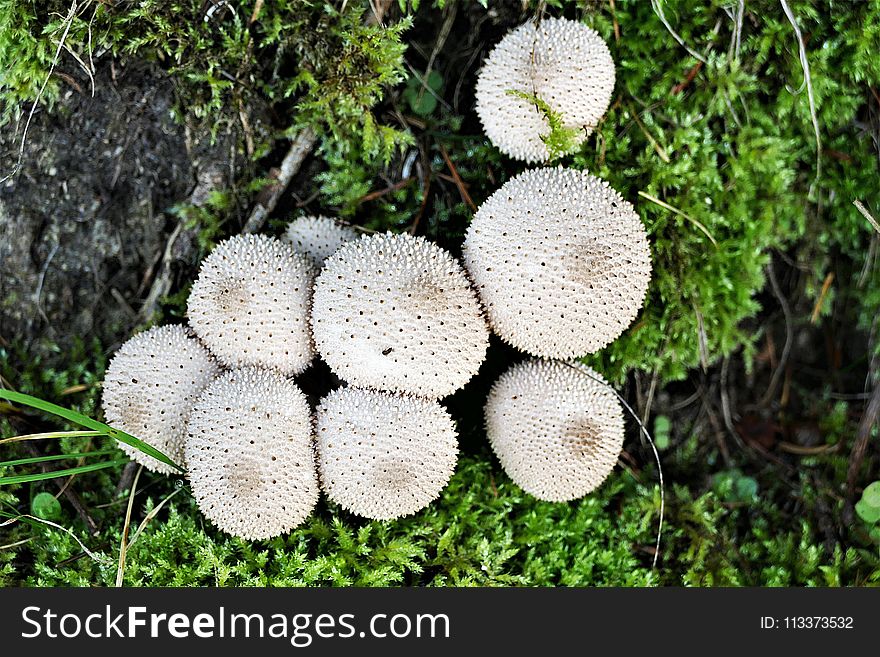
point(150, 387)
point(556, 431)
point(560, 260)
point(560, 62)
point(383, 455)
point(250, 454)
point(317, 237)
point(250, 304)
point(396, 312)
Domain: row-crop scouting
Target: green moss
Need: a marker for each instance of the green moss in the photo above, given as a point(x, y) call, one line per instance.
point(560, 140)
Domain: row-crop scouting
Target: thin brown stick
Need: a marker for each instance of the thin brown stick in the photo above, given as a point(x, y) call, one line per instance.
point(614, 21)
point(867, 215)
point(870, 417)
point(462, 189)
point(379, 193)
point(823, 293)
point(789, 336)
point(654, 143)
point(691, 74)
point(258, 6)
point(127, 477)
point(162, 283)
point(123, 545)
point(300, 148)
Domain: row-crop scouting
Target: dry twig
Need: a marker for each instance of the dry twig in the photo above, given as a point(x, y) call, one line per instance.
point(300, 148)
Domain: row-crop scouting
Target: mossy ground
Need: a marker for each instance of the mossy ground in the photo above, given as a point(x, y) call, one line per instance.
point(756, 482)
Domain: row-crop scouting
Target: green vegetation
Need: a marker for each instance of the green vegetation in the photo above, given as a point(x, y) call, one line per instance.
point(868, 509)
point(560, 140)
point(720, 159)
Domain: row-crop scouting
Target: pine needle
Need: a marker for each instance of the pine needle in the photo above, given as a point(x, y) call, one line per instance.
point(123, 546)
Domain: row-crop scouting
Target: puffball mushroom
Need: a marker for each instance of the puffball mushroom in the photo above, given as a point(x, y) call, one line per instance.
point(250, 454)
point(561, 63)
point(317, 237)
point(150, 387)
point(557, 431)
point(250, 304)
point(560, 260)
point(383, 455)
point(397, 312)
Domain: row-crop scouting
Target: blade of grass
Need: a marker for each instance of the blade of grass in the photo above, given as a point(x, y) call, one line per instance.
point(33, 520)
point(85, 421)
point(57, 457)
point(53, 434)
point(123, 546)
point(675, 210)
point(152, 514)
point(24, 479)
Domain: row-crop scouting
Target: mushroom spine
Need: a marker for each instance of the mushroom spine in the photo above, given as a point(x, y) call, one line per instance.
point(397, 313)
point(559, 66)
point(250, 454)
point(561, 262)
point(250, 304)
point(557, 428)
point(150, 387)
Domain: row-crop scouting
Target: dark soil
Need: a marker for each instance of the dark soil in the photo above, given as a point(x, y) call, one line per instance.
point(85, 222)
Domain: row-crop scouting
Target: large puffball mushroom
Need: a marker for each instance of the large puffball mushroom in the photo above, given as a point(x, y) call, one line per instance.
point(559, 65)
point(383, 455)
point(150, 387)
point(397, 312)
point(556, 429)
point(317, 237)
point(560, 260)
point(250, 454)
point(250, 304)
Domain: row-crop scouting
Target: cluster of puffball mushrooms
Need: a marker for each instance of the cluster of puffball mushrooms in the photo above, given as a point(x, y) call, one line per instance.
point(556, 263)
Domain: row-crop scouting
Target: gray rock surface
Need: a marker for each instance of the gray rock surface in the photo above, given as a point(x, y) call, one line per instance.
point(85, 222)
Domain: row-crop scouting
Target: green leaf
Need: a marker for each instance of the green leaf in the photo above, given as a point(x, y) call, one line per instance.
point(42, 476)
point(56, 457)
point(85, 421)
point(662, 427)
point(45, 506)
point(871, 495)
point(870, 514)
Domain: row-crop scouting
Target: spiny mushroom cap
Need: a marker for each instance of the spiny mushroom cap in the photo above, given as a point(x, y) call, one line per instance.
point(556, 431)
point(150, 387)
point(250, 454)
point(396, 312)
point(560, 260)
point(561, 62)
point(250, 304)
point(317, 237)
point(383, 455)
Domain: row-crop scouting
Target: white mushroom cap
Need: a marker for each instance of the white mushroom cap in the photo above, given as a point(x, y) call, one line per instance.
point(250, 454)
point(250, 304)
point(150, 387)
point(396, 312)
point(560, 260)
point(383, 455)
point(557, 432)
point(317, 237)
point(561, 62)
